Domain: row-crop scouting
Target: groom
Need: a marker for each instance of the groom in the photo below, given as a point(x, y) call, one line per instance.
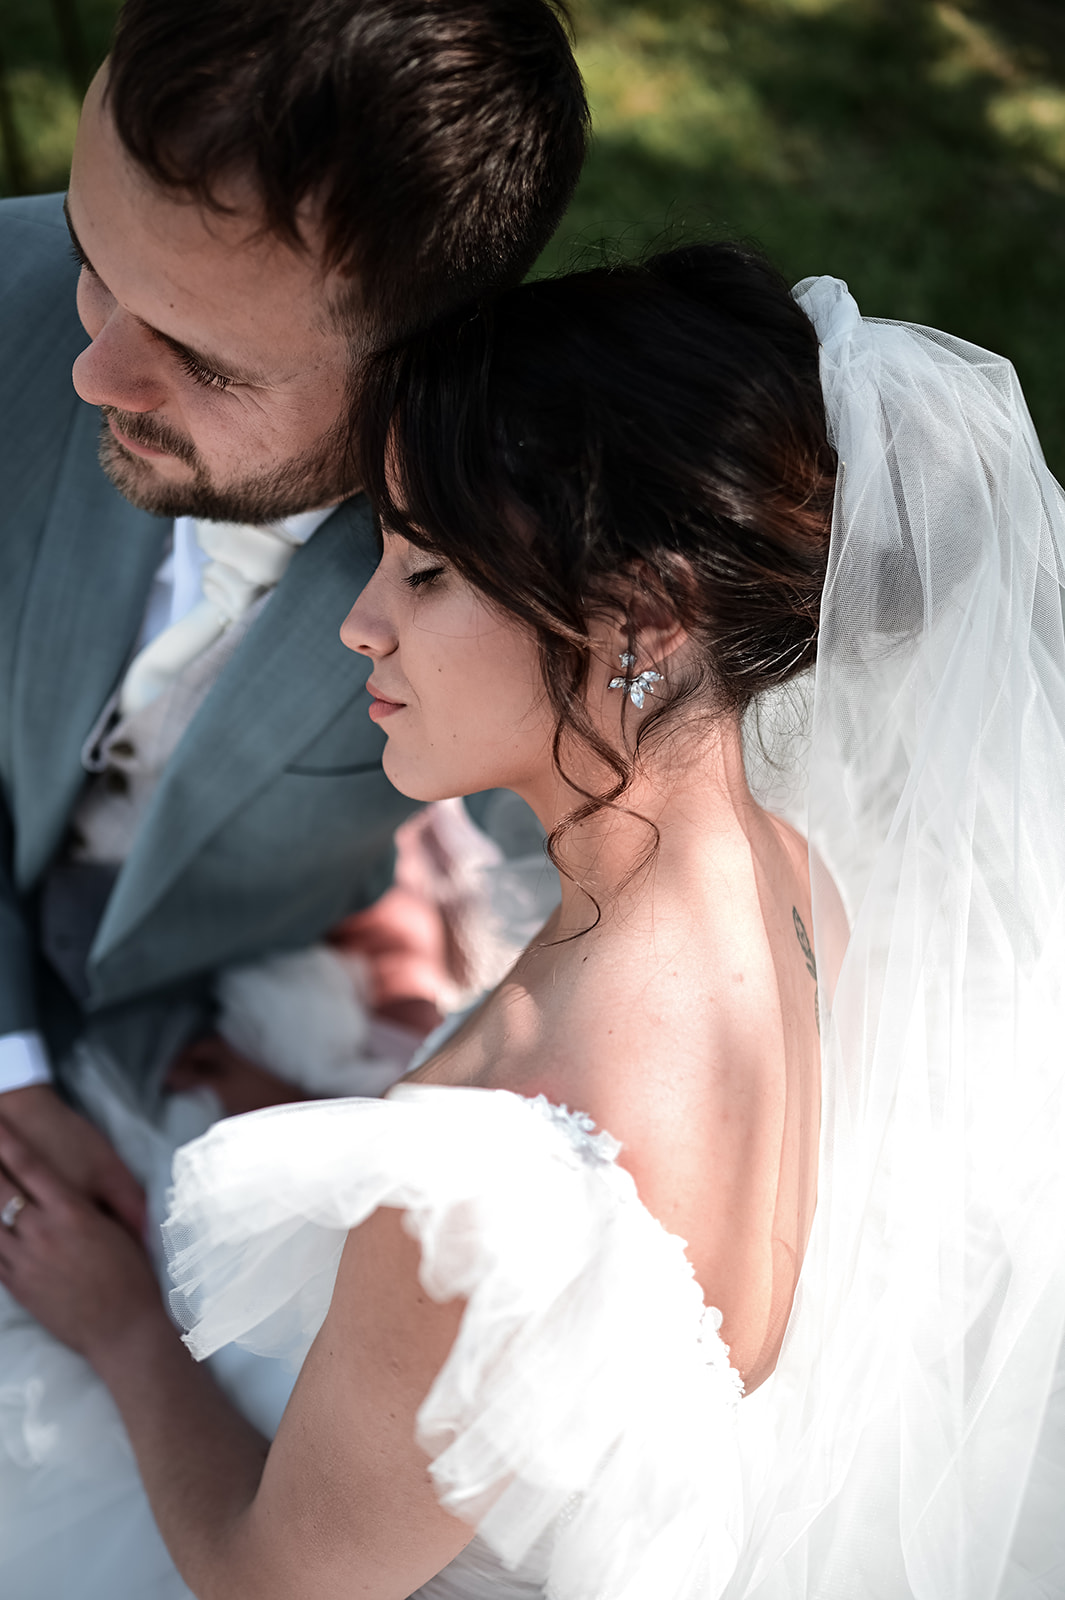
point(188, 778)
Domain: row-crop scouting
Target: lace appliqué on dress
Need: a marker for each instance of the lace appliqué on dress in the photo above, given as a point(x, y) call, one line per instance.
point(716, 1355)
point(602, 1149)
point(579, 1129)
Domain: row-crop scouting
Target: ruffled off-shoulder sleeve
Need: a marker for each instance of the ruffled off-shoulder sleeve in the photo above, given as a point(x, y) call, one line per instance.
point(587, 1410)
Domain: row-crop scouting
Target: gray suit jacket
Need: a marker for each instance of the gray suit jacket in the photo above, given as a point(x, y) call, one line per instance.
point(273, 819)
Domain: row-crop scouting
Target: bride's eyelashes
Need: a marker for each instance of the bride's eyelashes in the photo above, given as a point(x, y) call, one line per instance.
point(424, 575)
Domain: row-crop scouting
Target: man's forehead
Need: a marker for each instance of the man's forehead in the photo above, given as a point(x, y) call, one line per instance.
point(193, 274)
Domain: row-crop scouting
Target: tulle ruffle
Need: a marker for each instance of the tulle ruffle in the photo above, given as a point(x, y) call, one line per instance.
point(585, 1420)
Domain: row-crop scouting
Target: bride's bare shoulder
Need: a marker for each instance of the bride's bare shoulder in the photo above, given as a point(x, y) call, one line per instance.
point(687, 979)
point(671, 1008)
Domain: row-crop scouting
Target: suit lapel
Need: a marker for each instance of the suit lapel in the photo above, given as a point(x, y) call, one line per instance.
point(287, 681)
point(94, 568)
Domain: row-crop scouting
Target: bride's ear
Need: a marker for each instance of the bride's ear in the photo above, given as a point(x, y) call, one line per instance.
point(648, 626)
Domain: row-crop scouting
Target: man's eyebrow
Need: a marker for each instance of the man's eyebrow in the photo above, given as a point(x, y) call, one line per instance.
point(198, 358)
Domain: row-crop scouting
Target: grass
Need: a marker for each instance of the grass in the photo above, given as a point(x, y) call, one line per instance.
point(914, 147)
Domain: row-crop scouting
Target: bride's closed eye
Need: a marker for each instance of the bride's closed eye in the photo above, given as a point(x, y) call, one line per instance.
point(423, 575)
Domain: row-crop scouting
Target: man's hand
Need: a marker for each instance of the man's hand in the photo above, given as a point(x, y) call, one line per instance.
point(78, 1152)
point(240, 1084)
point(403, 940)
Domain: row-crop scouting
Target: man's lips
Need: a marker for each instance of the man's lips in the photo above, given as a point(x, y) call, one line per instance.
point(147, 450)
point(381, 705)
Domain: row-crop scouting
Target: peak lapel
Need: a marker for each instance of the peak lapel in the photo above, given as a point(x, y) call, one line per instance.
point(287, 681)
point(83, 609)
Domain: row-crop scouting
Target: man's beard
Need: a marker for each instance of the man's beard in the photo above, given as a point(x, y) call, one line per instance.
point(321, 476)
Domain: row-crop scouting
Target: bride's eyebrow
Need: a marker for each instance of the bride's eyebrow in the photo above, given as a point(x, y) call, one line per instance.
point(186, 352)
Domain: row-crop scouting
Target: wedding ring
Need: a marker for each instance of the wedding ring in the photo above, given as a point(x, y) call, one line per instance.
point(11, 1208)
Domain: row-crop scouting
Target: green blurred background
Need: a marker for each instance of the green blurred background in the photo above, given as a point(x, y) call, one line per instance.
point(916, 149)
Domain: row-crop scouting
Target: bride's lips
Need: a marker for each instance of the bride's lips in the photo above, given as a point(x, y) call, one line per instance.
point(134, 448)
point(381, 705)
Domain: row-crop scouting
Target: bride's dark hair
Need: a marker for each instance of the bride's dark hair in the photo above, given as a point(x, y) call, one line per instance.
point(640, 438)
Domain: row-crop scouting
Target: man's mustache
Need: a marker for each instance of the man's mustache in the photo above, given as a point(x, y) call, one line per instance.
point(155, 435)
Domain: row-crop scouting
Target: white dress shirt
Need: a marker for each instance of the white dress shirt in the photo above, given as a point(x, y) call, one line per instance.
point(176, 588)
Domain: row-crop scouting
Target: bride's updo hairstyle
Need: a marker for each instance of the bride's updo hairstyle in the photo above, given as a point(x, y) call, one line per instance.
point(647, 439)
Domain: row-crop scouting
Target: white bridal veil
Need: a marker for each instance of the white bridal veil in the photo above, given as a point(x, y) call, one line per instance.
point(917, 1413)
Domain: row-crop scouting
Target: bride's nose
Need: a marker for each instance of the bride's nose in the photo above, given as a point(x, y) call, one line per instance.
point(367, 627)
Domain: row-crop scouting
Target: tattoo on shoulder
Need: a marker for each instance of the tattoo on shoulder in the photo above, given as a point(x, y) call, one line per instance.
point(804, 942)
point(808, 951)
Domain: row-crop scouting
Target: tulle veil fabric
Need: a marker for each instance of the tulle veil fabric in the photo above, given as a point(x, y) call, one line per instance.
point(917, 1441)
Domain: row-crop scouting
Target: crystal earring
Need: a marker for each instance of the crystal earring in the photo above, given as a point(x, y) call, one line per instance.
point(636, 687)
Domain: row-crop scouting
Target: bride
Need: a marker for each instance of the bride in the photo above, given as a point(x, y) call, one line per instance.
point(787, 1324)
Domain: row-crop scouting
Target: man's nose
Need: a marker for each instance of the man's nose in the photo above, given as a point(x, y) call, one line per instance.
point(123, 367)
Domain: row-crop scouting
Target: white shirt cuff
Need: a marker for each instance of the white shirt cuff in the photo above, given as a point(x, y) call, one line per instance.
point(23, 1061)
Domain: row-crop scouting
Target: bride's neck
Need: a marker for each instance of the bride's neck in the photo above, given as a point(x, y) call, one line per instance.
point(693, 790)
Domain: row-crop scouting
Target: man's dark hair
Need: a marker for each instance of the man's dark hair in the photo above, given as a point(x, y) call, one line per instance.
point(435, 143)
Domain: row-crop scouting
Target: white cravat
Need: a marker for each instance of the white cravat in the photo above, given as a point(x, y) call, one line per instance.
point(243, 562)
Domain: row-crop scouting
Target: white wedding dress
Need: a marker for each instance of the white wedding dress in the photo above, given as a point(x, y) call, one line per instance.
point(911, 1443)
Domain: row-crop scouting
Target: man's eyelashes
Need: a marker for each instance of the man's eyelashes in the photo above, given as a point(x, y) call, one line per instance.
point(81, 258)
point(203, 375)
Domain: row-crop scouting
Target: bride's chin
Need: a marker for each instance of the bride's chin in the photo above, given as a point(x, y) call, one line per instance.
point(419, 785)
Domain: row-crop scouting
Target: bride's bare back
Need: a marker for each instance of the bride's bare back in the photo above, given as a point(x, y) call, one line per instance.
point(685, 1024)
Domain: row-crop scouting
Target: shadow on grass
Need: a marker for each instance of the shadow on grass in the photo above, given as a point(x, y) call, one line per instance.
point(915, 149)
